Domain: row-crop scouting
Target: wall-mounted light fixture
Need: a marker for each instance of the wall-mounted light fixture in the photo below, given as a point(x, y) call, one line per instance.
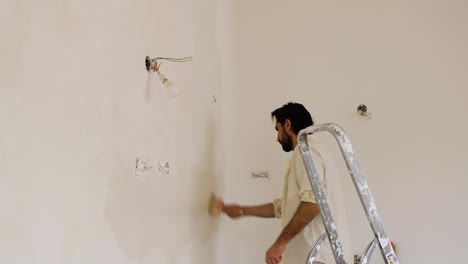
point(152, 65)
point(362, 110)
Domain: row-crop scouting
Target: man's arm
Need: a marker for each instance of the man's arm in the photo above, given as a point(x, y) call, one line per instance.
point(236, 211)
point(265, 210)
point(304, 214)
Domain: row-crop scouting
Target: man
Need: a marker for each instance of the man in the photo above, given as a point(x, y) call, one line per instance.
point(301, 221)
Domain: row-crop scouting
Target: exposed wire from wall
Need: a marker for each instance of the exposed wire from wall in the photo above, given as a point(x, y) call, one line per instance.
point(152, 65)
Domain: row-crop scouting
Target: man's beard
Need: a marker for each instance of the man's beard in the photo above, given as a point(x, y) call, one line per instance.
point(286, 143)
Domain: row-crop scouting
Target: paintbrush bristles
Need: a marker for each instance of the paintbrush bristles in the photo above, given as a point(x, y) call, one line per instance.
point(215, 205)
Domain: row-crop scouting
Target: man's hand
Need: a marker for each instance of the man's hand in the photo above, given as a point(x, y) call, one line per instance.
point(275, 254)
point(234, 211)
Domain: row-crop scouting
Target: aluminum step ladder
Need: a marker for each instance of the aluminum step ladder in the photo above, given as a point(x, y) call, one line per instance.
point(362, 189)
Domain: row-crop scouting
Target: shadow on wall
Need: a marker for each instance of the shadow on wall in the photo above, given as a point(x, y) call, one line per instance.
point(201, 246)
point(165, 220)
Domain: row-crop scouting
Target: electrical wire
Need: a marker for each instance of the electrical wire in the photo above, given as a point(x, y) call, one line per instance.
point(175, 59)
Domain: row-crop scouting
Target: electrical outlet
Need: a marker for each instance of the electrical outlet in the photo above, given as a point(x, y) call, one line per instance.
point(167, 168)
point(142, 168)
point(260, 175)
point(164, 169)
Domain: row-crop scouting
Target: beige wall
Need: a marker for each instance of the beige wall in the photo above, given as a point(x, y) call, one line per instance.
point(76, 111)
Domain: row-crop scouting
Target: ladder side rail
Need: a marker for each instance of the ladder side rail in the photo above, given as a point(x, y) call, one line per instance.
point(360, 184)
point(325, 212)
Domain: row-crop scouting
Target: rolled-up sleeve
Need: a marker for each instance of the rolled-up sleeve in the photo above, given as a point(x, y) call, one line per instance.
point(277, 207)
point(305, 189)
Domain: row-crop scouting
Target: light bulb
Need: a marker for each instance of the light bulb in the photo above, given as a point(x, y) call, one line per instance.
point(172, 89)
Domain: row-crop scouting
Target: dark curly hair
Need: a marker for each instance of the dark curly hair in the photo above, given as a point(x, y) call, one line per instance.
point(297, 114)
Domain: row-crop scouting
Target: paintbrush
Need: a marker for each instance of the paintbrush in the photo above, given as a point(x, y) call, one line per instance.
point(215, 205)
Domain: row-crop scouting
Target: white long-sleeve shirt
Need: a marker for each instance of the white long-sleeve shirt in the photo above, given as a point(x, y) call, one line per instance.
point(297, 189)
